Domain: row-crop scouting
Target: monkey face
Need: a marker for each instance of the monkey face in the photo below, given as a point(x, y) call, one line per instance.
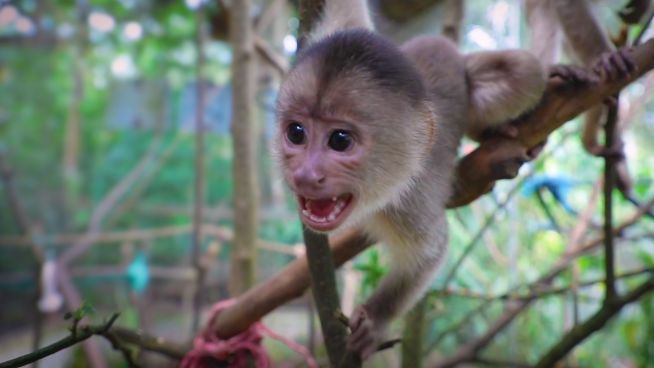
point(349, 153)
point(351, 135)
point(322, 162)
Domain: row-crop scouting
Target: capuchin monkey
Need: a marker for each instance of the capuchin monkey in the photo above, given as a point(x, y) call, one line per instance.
point(368, 135)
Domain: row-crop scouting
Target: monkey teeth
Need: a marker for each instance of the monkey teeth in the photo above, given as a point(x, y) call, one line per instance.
point(316, 210)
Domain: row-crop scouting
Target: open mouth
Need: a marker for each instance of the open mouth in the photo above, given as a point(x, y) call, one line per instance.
point(325, 214)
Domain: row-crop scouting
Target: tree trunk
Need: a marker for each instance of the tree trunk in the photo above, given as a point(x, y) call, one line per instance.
point(243, 131)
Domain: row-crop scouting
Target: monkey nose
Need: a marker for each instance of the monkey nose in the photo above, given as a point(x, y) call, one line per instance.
point(306, 178)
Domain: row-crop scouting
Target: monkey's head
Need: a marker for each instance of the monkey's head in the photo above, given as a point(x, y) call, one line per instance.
point(354, 128)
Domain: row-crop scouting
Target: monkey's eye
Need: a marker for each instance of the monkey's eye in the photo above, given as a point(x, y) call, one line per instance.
point(340, 140)
point(295, 133)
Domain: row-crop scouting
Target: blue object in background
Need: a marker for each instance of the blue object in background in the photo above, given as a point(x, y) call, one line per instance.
point(138, 273)
point(559, 186)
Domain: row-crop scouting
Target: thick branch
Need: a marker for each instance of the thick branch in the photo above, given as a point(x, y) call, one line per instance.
point(477, 172)
point(286, 285)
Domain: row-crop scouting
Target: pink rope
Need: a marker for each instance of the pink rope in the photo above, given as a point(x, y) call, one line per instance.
point(237, 350)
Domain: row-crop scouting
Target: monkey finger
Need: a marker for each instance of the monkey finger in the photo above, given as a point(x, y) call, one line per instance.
point(607, 68)
point(620, 67)
point(362, 331)
point(572, 73)
point(363, 338)
point(628, 58)
point(533, 152)
point(359, 316)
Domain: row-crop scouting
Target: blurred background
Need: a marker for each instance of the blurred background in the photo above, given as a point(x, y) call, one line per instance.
point(116, 157)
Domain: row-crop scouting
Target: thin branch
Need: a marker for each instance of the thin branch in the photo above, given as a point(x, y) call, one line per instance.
point(490, 220)
point(458, 325)
point(325, 295)
point(199, 177)
point(123, 349)
point(470, 350)
point(150, 343)
point(268, 15)
point(537, 290)
point(646, 25)
point(219, 232)
point(609, 183)
point(25, 227)
point(580, 332)
point(78, 335)
point(107, 203)
point(269, 54)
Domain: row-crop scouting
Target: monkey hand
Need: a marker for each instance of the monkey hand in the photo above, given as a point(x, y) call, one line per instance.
point(611, 66)
point(365, 335)
point(572, 74)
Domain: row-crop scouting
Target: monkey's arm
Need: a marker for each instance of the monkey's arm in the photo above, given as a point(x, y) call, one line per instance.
point(582, 30)
point(413, 266)
point(545, 30)
point(341, 15)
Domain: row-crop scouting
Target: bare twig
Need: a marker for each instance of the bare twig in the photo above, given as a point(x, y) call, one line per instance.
point(609, 184)
point(77, 335)
point(490, 220)
point(150, 343)
point(470, 350)
point(198, 180)
point(580, 332)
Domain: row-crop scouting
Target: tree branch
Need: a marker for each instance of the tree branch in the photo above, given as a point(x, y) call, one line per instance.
point(580, 332)
point(477, 171)
point(325, 295)
point(470, 350)
point(77, 335)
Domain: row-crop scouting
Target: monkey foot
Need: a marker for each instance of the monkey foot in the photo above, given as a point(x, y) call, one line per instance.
point(364, 338)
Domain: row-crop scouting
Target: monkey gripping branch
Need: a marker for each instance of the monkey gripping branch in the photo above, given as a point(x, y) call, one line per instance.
point(475, 175)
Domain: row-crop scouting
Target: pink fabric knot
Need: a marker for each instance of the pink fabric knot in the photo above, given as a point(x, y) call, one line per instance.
point(207, 347)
